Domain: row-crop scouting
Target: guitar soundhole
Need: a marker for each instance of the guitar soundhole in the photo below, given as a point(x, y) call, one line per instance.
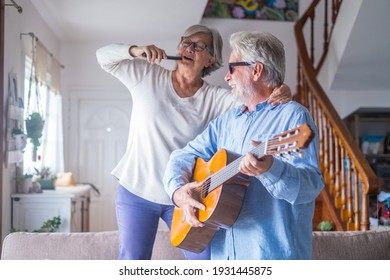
point(205, 188)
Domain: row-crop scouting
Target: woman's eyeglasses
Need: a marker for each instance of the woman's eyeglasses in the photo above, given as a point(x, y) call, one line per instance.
point(238, 63)
point(198, 46)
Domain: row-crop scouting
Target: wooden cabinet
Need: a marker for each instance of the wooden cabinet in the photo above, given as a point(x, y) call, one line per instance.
point(368, 122)
point(29, 211)
point(371, 129)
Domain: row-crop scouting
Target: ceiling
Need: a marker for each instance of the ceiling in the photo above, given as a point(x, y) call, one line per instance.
point(95, 20)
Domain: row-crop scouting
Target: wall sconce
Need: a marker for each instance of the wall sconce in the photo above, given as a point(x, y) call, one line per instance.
point(19, 8)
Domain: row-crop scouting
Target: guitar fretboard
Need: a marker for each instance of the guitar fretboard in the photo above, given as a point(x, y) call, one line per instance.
point(287, 142)
point(229, 171)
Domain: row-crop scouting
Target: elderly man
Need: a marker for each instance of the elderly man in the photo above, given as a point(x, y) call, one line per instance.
point(275, 220)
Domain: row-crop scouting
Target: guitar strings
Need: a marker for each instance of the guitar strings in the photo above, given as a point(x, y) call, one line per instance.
point(225, 174)
point(274, 144)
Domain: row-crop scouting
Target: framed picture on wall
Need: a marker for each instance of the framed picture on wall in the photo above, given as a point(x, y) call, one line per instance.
point(280, 10)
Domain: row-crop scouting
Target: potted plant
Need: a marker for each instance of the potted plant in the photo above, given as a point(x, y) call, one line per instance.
point(326, 226)
point(51, 225)
point(19, 137)
point(17, 131)
point(24, 183)
point(34, 127)
point(45, 178)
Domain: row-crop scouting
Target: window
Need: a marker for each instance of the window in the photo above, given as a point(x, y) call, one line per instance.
point(39, 97)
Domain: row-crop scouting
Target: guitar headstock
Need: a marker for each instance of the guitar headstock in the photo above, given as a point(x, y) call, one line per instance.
point(290, 141)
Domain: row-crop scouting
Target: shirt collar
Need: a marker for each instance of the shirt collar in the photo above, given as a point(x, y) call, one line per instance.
point(260, 106)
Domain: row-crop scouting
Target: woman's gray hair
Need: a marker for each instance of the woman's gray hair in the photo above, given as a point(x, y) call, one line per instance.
point(215, 50)
point(261, 47)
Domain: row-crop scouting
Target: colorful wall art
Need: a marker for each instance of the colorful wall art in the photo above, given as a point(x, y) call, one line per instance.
point(281, 10)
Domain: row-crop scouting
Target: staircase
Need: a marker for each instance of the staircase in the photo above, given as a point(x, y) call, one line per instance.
point(349, 179)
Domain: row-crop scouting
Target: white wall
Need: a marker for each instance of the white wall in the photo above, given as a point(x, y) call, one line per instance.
point(348, 13)
point(346, 101)
point(15, 24)
point(352, 85)
point(83, 70)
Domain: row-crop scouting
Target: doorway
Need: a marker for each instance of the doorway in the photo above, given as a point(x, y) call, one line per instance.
point(102, 125)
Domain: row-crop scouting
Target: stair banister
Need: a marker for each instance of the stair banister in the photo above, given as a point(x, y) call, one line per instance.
point(349, 179)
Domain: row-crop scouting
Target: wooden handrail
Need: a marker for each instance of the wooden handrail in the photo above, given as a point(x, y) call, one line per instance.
point(349, 179)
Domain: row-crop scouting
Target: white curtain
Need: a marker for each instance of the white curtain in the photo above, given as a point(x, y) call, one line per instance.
point(52, 146)
point(42, 94)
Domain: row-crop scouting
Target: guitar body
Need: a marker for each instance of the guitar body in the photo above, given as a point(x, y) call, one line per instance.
point(223, 205)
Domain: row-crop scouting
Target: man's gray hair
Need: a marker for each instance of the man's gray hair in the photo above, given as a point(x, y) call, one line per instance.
point(215, 49)
point(261, 47)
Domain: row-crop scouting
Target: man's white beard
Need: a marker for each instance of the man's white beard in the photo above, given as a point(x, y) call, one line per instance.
point(240, 96)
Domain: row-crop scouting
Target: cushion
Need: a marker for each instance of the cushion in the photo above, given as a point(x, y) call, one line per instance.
point(77, 246)
point(351, 245)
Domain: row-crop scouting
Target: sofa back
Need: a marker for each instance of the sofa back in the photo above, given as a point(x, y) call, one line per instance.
point(351, 245)
point(77, 246)
point(369, 245)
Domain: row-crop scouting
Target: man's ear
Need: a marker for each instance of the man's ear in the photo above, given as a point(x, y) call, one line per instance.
point(257, 71)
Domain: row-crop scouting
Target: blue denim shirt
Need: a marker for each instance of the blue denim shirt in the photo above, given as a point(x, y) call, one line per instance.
point(275, 221)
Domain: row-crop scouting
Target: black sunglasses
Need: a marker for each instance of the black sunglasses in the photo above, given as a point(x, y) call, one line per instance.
point(239, 63)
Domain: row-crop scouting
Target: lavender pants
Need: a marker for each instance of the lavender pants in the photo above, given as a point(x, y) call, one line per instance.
point(138, 221)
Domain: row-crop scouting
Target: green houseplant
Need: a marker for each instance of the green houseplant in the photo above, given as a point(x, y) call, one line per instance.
point(45, 178)
point(17, 131)
point(34, 127)
point(326, 226)
point(19, 137)
point(24, 183)
point(51, 225)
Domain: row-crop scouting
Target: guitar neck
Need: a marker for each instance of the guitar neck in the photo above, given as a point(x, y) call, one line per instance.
point(287, 142)
point(231, 170)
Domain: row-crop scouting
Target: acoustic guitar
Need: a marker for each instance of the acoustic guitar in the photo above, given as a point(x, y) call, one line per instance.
point(224, 188)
